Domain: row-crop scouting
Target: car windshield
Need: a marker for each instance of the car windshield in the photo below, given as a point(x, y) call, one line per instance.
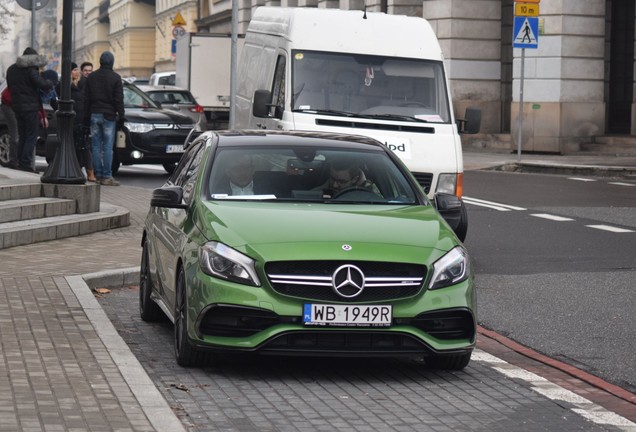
point(172, 97)
point(135, 98)
point(308, 174)
point(369, 86)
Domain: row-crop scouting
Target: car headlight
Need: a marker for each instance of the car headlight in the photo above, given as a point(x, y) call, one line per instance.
point(452, 268)
point(447, 183)
point(139, 127)
point(219, 260)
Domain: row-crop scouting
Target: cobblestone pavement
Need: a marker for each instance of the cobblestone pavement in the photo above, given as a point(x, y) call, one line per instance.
point(261, 393)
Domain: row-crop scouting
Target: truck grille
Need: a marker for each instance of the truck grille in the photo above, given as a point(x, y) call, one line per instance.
point(425, 180)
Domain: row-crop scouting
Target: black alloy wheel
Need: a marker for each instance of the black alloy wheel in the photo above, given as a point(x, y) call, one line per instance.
point(148, 309)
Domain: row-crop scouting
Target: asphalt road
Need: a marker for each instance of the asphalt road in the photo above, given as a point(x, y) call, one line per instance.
point(550, 274)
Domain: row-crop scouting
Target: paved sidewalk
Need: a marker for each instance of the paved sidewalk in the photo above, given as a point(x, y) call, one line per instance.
point(62, 364)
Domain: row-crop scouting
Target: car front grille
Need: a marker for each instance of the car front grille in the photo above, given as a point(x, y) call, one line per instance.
point(312, 280)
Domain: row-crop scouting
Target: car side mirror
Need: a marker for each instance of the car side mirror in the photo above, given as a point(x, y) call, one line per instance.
point(450, 207)
point(168, 197)
point(471, 123)
point(262, 105)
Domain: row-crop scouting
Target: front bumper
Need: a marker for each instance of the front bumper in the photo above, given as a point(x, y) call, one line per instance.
point(228, 317)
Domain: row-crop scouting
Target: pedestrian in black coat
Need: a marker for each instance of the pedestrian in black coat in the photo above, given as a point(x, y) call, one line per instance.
point(25, 83)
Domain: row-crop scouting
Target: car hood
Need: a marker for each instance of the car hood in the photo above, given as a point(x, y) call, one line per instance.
point(155, 115)
point(276, 231)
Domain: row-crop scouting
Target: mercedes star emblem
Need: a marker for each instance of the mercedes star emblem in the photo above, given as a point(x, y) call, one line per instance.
point(348, 281)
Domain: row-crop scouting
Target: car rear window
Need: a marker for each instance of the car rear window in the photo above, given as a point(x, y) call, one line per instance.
point(172, 97)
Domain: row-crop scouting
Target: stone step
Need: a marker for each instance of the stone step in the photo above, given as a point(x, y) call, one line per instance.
point(29, 231)
point(610, 147)
point(19, 189)
point(35, 208)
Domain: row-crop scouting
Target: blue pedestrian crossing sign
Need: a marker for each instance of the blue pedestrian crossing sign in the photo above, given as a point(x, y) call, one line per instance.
point(525, 32)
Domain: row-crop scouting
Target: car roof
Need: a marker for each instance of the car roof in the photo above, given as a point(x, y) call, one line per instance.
point(153, 88)
point(231, 138)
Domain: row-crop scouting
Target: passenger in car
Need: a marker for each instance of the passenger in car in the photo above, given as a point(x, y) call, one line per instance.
point(239, 179)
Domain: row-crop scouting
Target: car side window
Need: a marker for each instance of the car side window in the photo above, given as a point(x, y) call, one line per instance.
point(190, 177)
point(180, 174)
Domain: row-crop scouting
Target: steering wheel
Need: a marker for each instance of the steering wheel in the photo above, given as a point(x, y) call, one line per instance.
point(363, 193)
point(413, 104)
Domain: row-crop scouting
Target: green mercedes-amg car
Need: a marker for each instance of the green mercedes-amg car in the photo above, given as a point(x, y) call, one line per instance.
point(305, 243)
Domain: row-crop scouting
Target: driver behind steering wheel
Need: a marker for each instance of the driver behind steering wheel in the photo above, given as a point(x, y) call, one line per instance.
point(345, 173)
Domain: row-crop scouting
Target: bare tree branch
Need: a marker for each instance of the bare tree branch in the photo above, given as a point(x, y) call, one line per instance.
point(8, 15)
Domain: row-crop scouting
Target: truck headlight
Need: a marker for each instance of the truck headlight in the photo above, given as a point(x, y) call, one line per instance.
point(447, 183)
point(139, 127)
point(452, 268)
point(219, 260)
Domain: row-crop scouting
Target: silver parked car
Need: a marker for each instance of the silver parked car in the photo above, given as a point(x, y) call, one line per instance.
point(177, 99)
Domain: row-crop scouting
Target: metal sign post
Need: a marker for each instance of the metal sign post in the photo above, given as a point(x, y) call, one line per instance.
point(525, 34)
point(520, 115)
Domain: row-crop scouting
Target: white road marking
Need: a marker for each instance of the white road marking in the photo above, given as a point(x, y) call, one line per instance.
point(609, 228)
point(491, 204)
point(581, 406)
point(552, 217)
point(581, 179)
point(622, 184)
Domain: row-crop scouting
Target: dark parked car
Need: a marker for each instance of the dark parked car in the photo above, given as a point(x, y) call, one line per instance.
point(153, 135)
point(177, 99)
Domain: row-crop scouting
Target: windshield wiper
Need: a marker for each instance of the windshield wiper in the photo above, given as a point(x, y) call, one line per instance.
point(327, 112)
point(394, 117)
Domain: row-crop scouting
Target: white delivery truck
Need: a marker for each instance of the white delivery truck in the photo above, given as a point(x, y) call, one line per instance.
point(356, 72)
point(203, 63)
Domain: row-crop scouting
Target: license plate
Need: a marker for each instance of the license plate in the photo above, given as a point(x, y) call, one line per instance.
point(347, 315)
point(174, 148)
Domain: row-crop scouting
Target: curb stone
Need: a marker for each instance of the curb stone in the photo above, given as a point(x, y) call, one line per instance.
point(152, 402)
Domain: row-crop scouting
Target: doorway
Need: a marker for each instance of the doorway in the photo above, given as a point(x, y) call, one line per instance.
point(621, 66)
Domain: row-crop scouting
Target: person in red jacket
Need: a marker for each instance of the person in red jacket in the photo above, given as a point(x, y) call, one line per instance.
point(12, 125)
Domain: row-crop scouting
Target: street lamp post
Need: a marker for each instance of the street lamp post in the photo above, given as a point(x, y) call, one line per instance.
point(65, 168)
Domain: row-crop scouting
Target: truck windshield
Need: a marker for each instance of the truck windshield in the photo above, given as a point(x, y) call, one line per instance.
point(369, 86)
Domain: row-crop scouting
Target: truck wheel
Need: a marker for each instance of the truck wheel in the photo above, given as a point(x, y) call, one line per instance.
point(462, 227)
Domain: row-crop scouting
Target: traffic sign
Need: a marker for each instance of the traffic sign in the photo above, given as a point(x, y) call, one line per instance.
point(527, 1)
point(178, 31)
point(526, 9)
point(178, 20)
point(525, 32)
point(28, 4)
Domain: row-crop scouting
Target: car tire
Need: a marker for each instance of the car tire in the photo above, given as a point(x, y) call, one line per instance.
point(5, 146)
point(185, 353)
point(170, 167)
point(148, 309)
point(449, 362)
point(462, 227)
point(115, 165)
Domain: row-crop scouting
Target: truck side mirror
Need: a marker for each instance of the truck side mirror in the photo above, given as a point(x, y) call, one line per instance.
point(262, 106)
point(471, 123)
point(262, 102)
